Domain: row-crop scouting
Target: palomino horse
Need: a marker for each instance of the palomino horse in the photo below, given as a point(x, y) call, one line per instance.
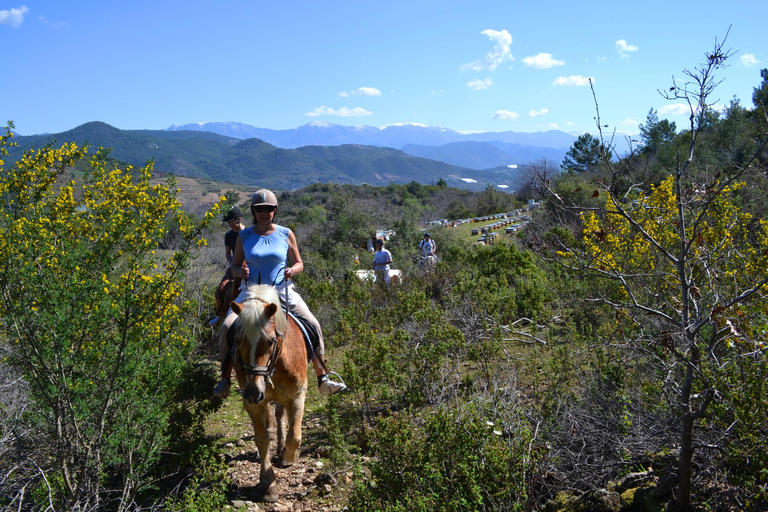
point(271, 366)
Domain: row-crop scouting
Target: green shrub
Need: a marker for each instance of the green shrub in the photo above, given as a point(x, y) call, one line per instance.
point(448, 461)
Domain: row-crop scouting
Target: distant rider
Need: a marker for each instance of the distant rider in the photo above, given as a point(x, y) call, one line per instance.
point(427, 247)
point(382, 259)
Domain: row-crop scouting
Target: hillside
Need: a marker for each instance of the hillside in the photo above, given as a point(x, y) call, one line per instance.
point(485, 155)
point(256, 163)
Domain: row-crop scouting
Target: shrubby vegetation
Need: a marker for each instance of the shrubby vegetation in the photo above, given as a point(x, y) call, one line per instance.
point(98, 325)
point(618, 343)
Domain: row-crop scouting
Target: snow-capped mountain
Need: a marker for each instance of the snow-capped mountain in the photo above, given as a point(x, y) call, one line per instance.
point(320, 133)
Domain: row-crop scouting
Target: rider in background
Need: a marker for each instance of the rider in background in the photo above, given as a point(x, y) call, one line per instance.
point(268, 253)
point(427, 247)
point(382, 259)
point(234, 220)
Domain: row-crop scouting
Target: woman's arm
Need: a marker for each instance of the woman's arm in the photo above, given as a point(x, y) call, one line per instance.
point(297, 265)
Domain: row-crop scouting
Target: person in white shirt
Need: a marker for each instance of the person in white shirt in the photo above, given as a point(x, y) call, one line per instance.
point(382, 259)
point(427, 247)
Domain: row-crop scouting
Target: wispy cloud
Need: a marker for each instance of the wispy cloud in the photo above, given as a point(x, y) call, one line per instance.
point(535, 113)
point(56, 24)
point(572, 81)
point(361, 91)
point(625, 49)
point(342, 112)
point(479, 85)
point(542, 61)
point(630, 121)
point(502, 41)
point(506, 115)
point(13, 17)
point(749, 60)
point(676, 109)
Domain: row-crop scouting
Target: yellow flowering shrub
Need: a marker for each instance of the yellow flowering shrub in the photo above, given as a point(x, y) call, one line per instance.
point(705, 245)
point(93, 315)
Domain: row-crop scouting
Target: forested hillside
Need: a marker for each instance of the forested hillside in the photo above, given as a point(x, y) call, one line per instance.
point(611, 355)
point(256, 163)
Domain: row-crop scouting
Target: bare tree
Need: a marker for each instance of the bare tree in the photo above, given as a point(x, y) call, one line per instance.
point(681, 262)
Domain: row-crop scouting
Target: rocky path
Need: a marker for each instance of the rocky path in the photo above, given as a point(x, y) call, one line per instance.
point(308, 485)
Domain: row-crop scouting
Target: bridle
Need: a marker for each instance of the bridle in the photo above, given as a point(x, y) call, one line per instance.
point(268, 370)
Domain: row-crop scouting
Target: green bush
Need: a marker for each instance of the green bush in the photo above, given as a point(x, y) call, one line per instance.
point(449, 461)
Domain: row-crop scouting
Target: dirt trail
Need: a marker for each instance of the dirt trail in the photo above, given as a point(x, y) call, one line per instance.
point(308, 485)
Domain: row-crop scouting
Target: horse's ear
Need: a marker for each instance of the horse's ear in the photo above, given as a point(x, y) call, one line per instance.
point(270, 310)
point(236, 307)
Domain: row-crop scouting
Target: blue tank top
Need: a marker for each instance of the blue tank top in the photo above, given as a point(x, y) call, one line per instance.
point(266, 256)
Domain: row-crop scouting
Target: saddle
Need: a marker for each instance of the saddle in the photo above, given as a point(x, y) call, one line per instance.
point(311, 336)
point(308, 331)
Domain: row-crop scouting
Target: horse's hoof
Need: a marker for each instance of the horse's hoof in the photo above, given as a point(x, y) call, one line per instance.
point(282, 463)
point(271, 496)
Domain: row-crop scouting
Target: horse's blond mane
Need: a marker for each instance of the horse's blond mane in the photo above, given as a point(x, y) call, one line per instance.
point(252, 320)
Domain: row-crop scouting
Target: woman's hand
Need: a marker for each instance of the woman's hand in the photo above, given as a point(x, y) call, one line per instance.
point(244, 272)
point(288, 273)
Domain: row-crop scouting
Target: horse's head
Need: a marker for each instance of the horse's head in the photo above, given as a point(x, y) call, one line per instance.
point(259, 334)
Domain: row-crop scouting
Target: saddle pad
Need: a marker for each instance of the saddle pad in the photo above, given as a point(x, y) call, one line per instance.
point(311, 336)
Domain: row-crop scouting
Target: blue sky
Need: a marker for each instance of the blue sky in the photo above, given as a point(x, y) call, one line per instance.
point(466, 65)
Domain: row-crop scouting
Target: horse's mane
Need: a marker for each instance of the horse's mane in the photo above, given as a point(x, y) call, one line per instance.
point(252, 320)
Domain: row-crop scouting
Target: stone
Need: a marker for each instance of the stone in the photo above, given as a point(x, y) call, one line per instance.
point(325, 479)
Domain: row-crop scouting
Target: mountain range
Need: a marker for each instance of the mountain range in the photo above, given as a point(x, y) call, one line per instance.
point(255, 162)
point(475, 150)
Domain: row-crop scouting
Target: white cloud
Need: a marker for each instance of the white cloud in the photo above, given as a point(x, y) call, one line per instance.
point(676, 109)
point(630, 121)
point(554, 126)
point(13, 18)
point(506, 115)
point(748, 60)
point(534, 113)
point(342, 112)
point(57, 24)
point(361, 91)
point(572, 81)
point(500, 52)
point(367, 91)
point(479, 85)
point(625, 49)
point(601, 58)
point(542, 61)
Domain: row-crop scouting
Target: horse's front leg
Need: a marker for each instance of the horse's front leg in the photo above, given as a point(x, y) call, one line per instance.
point(260, 418)
point(293, 412)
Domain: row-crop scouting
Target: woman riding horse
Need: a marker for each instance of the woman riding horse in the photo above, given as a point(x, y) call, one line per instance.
point(263, 253)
